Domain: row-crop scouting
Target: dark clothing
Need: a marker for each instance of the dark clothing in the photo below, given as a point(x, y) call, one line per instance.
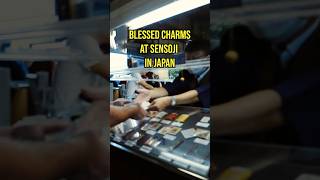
point(256, 68)
point(204, 95)
point(186, 81)
point(301, 92)
point(298, 85)
point(190, 82)
point(300, 102)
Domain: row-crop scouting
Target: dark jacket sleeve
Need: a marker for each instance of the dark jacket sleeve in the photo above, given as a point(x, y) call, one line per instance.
point(204, 95)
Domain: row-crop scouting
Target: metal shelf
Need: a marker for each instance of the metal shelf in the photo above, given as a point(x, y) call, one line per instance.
point(47, 56)
point(57, 29)
point(120, 14)
point(136, 79)
point(197, 63)
point(267, 11)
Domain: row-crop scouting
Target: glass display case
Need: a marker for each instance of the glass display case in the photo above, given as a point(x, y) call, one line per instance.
point(177, 138)
point(259, 161)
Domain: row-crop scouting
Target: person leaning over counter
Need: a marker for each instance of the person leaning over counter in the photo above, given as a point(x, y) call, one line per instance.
point(191, 86)
point(291, 104)
point(35, 150)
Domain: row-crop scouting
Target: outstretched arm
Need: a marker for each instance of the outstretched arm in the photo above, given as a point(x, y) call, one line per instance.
point(251, 113)
point(188, 97)
point(120, 114)
point(46, 160)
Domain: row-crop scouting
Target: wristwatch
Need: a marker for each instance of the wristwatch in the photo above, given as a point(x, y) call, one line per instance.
point(173, 100)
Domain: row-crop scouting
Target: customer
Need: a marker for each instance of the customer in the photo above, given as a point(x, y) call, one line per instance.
point(191, 86)
point(61, 149)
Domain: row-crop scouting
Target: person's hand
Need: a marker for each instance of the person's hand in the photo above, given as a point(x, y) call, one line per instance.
point(120, 102)
point(144, 84)
point(137, 112)
point(143, 96)
point(120, 114)
point(95, 119)
point(94, 94)
point(93, 156)
point(143, 91)
point(160, 104)
point(98, 157)
point(34, 129)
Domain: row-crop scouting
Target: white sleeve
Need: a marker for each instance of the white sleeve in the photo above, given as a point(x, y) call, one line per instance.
point(89, 46)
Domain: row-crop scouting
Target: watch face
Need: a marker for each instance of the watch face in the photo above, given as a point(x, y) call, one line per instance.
point(173, 101)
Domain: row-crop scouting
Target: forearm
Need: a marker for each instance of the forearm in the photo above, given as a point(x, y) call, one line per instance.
point(265, 122)
point(146, 85)
point(40, 160)
point(120, 114)
point(187, 97)
point(250, 109)
point(250, 106)
point(158, 92)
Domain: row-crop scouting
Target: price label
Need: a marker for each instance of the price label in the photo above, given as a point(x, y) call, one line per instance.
point(151, 132)
point(169, 137)
point(205, 119)
point(201, 141)
point(130, 143)
point(178, 124)
point(204, 125)
point(165, 122)
point(146, 149)
point(155, 120)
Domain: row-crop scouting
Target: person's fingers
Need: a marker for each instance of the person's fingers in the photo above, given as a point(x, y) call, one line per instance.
point(93, 94)
point(95, 154)
point(153, 103)
point(139, 90)
point(138, 116)
point(28, 133)
point(38, 131)
point(145, 85)
point(57, 127)
point(153, 108)
point(138, 112)
point(141, 82)
point(142, 98)
point(145, 91)
point(120, 102)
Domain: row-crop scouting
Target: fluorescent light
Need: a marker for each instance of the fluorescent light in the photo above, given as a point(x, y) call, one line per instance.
point(167, 11)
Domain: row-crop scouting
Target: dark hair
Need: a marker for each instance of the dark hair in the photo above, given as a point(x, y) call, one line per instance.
point(198, 45)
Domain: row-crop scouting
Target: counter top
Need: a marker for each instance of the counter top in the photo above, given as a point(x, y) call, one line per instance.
point(188, 157)
point(266, 161)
